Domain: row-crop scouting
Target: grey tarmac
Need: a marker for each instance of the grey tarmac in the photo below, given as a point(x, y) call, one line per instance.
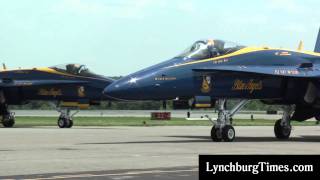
point(186, 173)
point(47, 151)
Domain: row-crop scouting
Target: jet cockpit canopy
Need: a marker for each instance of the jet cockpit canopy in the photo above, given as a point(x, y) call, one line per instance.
point(204, 49)
point(74, 69)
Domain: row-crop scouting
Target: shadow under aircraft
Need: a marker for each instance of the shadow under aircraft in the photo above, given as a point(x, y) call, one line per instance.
point(212, 71)
point(69, 86)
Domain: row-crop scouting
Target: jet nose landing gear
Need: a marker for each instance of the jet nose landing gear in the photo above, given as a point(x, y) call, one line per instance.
point(223, 129)
point(65, 119)
point(226, 133)
point(65, 122)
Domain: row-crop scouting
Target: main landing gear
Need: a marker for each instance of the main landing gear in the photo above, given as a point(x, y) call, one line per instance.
point(8, 120)
point(65, 119)
point(222, 128)
point(282, 127)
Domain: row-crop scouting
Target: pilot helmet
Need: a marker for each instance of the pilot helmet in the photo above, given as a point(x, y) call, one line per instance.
point(212, 48)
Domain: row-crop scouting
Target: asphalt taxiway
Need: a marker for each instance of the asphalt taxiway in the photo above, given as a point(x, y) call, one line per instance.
point(133, 152)
point(146, 113)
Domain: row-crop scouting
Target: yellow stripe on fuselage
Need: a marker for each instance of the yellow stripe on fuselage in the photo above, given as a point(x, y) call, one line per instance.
point(202, 105)
point(9, 70)
point(74, 104)
point(52, 71)
point(43, 69)
point(245, 50)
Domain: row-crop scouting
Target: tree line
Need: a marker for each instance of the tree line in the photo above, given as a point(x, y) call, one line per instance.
point(255, 105)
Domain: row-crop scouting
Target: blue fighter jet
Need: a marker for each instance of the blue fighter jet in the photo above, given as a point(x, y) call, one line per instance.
point(212, 71)
point(68, 87)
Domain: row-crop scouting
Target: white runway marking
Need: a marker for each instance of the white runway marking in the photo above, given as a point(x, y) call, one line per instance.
point(115, 174)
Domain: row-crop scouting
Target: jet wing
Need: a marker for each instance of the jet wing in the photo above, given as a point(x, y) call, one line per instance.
point(21, 83)
point(302, 71)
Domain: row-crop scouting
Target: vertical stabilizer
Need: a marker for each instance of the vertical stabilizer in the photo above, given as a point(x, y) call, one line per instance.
point(317, 47)
point(301, 46)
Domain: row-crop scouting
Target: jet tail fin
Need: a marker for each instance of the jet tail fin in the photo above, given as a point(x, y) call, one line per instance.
point(301, 46)
point(317, 47)
point(4, 66)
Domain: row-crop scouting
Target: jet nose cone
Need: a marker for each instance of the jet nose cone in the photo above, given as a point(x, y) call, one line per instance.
point(112, 91)
point(122, 89)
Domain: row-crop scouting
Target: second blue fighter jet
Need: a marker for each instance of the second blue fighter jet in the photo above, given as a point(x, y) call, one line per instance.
point(215, 70)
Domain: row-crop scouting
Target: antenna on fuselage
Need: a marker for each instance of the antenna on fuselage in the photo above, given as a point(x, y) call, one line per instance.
point(300, 46)
point(4, 66)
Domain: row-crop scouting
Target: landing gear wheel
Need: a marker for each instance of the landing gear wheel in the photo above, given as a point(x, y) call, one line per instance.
point(216, 134)
point(64, 123)
point(228, 133)
point(70, 124)
point(61, 122)
point(280, 131)
point(8, 121)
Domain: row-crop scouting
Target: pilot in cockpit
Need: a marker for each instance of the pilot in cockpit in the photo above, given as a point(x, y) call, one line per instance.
point(204, 49)
point(72, 69)
point(212, 48)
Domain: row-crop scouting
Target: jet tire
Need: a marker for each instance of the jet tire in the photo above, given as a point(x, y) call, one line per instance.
point(228, 133)
point(63, 122)
point(8, 121)
point(216, 134)
point(70, 124)
point(280, 131)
